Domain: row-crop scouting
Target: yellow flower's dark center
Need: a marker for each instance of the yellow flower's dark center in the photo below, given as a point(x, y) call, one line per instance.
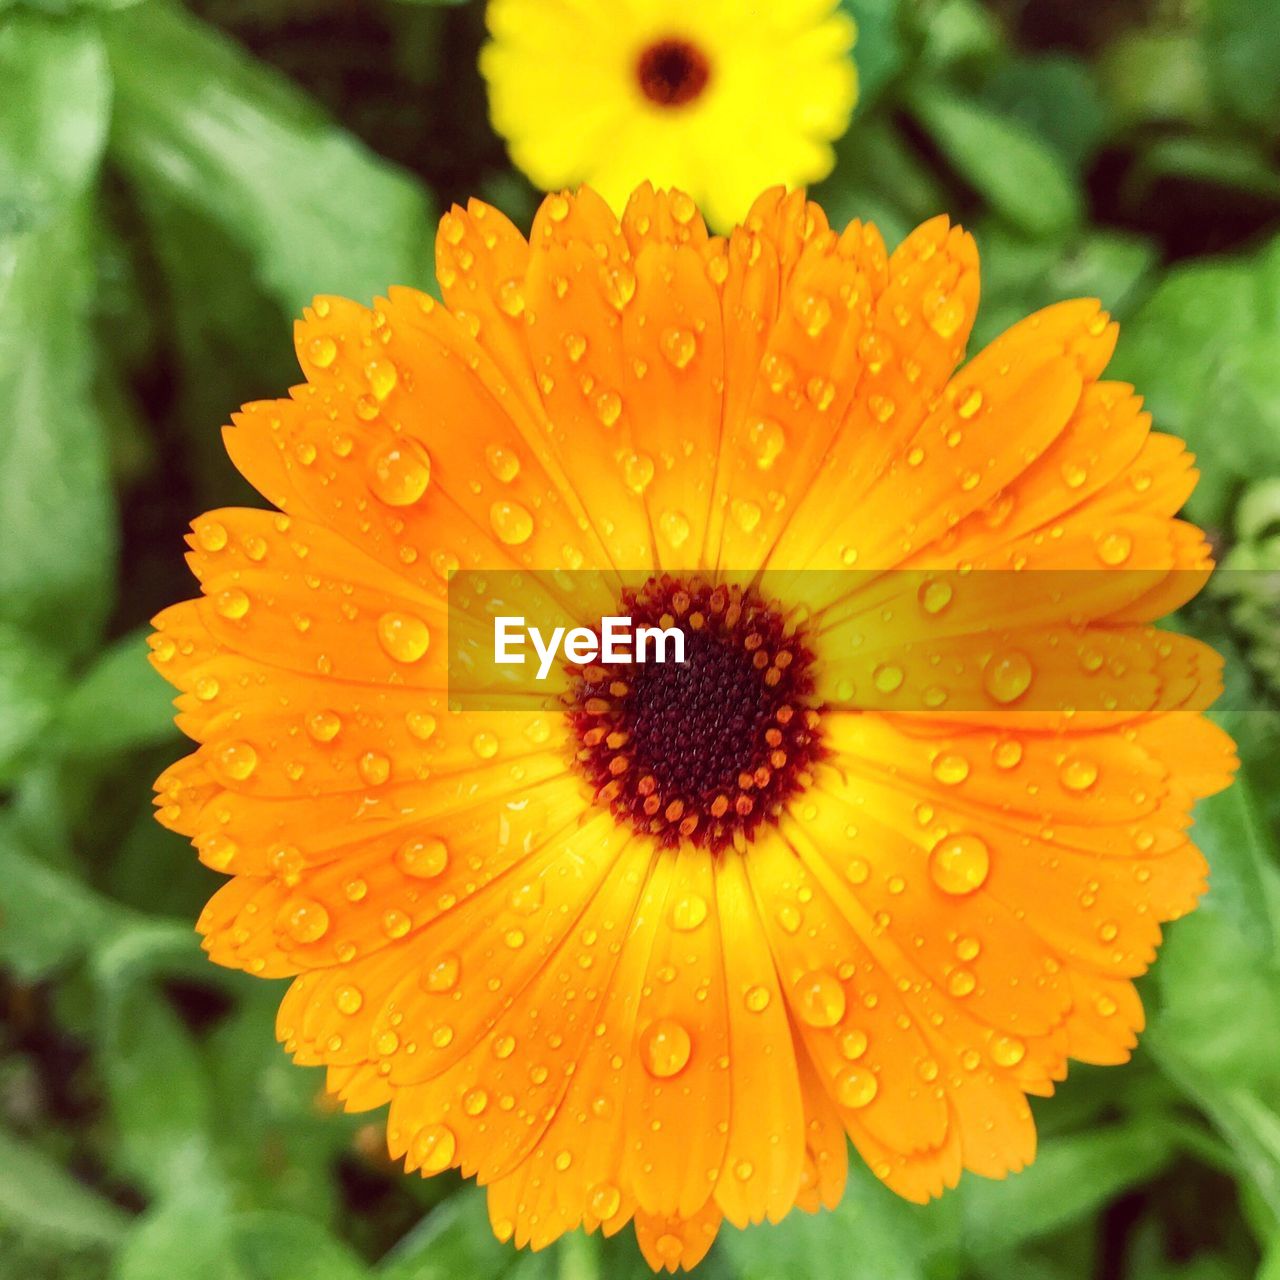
point(673, 72)
point(708, 749)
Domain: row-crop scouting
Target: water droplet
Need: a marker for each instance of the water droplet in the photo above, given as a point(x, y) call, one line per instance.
point(820, 998)
point(934, 596)
point(304, 919)
point(767, 440)
point(605, 1201)
point(511, 522)
point(443, 974)
point(1007, 754)
point(961, 982)
point(422, 859)
point(745, 514)
point(433, 1148)
point(485, 744)
point(238, 760)
point(348, 999)
point(679, 346)
point(383, 376)
point(856, 1087)
point(206, 688)
point(970, 405)
point(689, 912)
point(637, 471)
point(232, 603)
point(422, 724)
point(324, 726)
point(1007, 1051)
point(502, 462)
point(665, 1048)
point(399, 472)
point(211, 535)
point(322, 351)
point(950, 768)
point(1078, 774)
point(757, 999)
point(853, 1043)
point(1007, 676)
point(1115, 548)
point(675, 528)
point(887, 677)
point(395, 924)
point(959, 864)
point(375, 768)
point(404, 636)
point(608, 407)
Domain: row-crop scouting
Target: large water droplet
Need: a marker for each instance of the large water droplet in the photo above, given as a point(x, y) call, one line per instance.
point(511, 522)
point(423, 859)
point(434, 1148)
point(304, 919)
point(856, 1087)
point(665, 1048)
point(1007, 676)
point(399, 472)
point(404, 636)
point(820, 998)
point(959, 864)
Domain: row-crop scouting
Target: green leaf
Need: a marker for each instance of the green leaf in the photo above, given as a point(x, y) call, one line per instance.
point(121, 703)
point(1226, 957)
point(1242, 47)
point(1021, 178)
point(55, 502)
point(199, 1241)
point(871, 1235)
point(880, 51)
point(1202, 352)
point(53, 117)
point(1056, 98)
point(455, 1239)
point(39, 1197)
point(1071, 1178)
point(30, 685)
point(202, 124)
point(47, 918)
point(159, 1092)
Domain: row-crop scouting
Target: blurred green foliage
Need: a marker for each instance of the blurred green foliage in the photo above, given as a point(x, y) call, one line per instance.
point(174, 184)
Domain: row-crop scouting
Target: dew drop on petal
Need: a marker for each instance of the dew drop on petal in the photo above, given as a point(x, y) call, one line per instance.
point(442, 975)
point(485, 744)
point(238, 760)
point(502, 462)
point(1007, 676)
point(422, 859)
point(950, 768)
point(404, 636)
point(688, 912)
point(1007, 1051)
point(433, 1149)
point(324, 726)
point(757, 999)
point(960, 864)
point(605, 1200)
point(1115, 548)
point(856, 1087)
point(511, 522)
point(1078, 774)
point(820, 998)
point(348, 999)
point(231, 603)
point(304, 919)
point(399, 472)
point(674, 527)
point(374, 767)
point(665, 1048)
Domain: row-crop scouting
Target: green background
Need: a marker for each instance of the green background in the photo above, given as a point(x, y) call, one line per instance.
point(174, 185)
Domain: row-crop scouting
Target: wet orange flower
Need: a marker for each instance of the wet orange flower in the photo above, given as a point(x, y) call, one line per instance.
point(650, 957)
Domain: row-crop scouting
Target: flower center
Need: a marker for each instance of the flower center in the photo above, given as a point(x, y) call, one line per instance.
point(673, 72)
point(709, 748)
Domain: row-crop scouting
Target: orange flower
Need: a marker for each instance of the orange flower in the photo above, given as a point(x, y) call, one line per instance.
point(653, 956)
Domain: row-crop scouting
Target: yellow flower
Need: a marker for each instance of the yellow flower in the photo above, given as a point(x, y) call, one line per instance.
point(718, 98)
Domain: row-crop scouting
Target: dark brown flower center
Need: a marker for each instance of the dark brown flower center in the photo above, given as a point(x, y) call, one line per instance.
point(673, 72)
point(707, 749)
